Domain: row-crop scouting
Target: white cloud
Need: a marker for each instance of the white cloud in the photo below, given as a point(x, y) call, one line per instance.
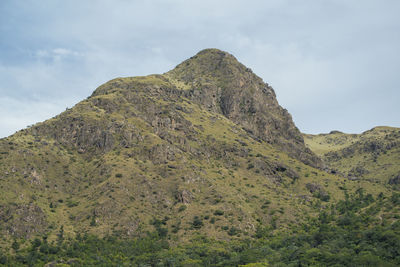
point(57, 54)
point(321, 56)
point(18, 114)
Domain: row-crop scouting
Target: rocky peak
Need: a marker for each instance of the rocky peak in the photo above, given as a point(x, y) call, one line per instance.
point(218, 81)
point(210, 63)
point(216, 68)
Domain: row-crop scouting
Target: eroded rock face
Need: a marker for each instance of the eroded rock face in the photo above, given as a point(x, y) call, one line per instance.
point(222, 84)
point(80, 133)
point(23, 220)
point(184, 196)
point(317, 190)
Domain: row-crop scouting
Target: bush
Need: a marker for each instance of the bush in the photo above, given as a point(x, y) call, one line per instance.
point(197, 222)
point(218, 213)
point(233, 231)
point(182, 208)
point(72, 203)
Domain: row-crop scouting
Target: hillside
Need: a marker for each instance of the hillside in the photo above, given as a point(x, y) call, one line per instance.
point(202, 151)
point(373, 155)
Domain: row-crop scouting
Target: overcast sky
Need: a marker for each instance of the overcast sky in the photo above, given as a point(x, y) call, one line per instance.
point(334, 64)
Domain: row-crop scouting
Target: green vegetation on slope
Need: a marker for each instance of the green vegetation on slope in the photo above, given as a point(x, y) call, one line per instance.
point(372, 155)
point(358, 231)
point(167, 148)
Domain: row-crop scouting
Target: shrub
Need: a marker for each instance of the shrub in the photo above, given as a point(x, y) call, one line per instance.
point(182, 208)
point(250, 166)
point(197, 222)
point(233, 231)
point(218, 213)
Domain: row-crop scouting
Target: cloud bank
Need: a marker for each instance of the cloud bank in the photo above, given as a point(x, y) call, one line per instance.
point(333, 64)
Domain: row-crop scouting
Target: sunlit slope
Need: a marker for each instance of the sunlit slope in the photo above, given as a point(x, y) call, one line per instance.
point(152, 153)
point(372, 155)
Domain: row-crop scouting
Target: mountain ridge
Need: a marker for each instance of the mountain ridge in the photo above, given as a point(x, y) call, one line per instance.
point(372, 154)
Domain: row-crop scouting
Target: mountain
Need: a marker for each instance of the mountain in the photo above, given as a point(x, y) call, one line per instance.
point(373, 155)
point(204, 149)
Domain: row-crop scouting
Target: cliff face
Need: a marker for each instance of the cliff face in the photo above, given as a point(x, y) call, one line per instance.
point(206, 140)
point(217, 81)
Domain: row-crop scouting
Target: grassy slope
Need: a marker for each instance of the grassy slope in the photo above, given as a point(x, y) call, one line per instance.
point(122, 189)
point(373, 155)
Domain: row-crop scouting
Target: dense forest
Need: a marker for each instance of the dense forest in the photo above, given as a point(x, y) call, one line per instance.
point(358, 231)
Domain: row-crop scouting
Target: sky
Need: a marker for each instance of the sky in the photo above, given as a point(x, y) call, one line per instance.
point(334, 64)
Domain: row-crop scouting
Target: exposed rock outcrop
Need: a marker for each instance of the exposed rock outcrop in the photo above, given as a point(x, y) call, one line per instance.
point(219, 82)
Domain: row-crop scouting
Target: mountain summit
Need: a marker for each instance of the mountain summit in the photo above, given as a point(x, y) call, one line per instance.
point(218, 82)
point(222, 84)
